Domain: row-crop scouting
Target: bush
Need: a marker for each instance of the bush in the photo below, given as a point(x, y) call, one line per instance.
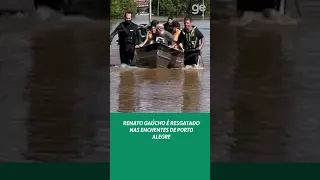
point(176, 7)
point(119, 7)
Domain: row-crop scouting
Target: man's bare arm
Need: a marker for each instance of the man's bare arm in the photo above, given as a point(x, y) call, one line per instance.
point(201, 43)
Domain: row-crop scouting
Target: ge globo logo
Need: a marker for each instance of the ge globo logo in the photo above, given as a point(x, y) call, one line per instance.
point(196, 8)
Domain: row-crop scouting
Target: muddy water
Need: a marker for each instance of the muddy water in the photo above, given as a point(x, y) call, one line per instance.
point(265, 86)
point(53, 91)
point(160, 90)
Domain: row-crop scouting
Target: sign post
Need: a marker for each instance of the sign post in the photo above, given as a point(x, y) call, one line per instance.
point(150, 10)
point(203, 11)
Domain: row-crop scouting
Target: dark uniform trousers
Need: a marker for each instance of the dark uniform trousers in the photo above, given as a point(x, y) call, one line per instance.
point(126, 53)
point(191, 57)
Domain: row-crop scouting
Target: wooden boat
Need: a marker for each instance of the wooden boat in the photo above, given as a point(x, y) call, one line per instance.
point(159, 55)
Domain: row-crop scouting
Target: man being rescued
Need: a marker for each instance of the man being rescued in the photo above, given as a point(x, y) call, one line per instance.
point(191, 41)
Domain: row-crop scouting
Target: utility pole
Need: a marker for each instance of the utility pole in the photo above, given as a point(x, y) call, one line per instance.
point(158, 7)
point(203, 11)
point(150, 10)
point(282, 7)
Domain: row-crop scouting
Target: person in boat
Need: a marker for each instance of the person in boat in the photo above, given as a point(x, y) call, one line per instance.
point(168, 25)
point(175, 31)
point(150, 37)
point(191, 41)
point(153, 23)
point(129, 37)
point(161, 32)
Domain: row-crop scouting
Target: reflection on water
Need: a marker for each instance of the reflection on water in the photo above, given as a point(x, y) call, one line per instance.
point(126, 87)
point(266, 94)
point(165, 90)
point(261, 98)
point(66, 95)
point(191, 89)
point(52, 99)
point(161, 90)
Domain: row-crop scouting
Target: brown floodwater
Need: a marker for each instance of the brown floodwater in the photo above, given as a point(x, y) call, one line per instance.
point(265, 91)
point(53, 91)
point(265, 88)
point(160, 90)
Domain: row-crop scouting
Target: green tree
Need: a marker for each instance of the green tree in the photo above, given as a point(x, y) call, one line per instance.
point(166, 8)
point(207, 3)
point(177, 7)
point(118, 7)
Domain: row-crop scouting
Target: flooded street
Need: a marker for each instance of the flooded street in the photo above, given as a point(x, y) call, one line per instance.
point(160, 90)
point(53, 91)
point(266, 91)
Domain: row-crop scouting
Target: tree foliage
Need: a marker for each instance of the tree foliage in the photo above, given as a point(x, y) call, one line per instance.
point(119, 7)
point(167, 7)
point(177, 7)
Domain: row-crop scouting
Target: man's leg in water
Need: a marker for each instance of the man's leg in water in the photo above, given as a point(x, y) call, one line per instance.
point(130, 56)
point(191, 58)
point(126, 55)
point(123, 57)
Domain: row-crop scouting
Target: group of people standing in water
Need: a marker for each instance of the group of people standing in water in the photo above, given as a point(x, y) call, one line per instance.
point(188, 39)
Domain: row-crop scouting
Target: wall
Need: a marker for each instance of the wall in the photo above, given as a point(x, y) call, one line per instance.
point(254, 5)
point(227, 8)
point(17, 5)
point(223, 8)
point(92, 8)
